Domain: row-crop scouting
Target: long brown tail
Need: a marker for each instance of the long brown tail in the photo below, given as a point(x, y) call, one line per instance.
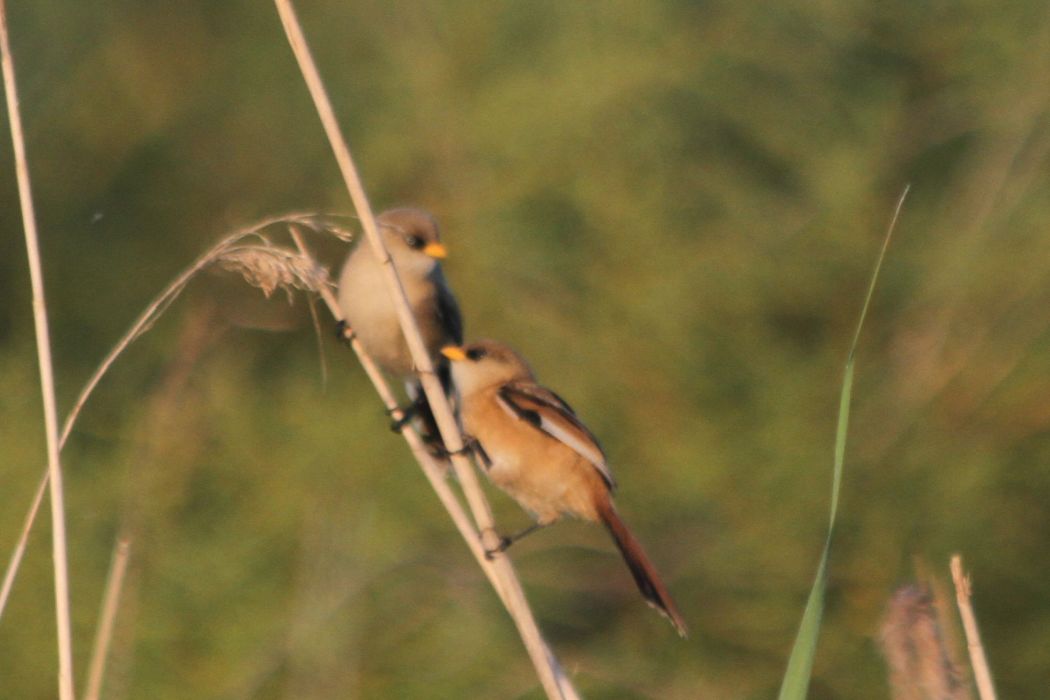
point(642, 569)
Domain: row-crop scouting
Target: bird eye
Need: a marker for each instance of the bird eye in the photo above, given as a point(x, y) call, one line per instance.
point(414, 242)
point(475, 354)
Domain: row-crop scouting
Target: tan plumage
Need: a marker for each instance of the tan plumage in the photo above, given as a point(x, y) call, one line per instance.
point(413, 239)
point(534, 447)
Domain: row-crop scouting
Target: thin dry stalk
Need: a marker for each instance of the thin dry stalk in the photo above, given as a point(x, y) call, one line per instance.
point(47, 381)
point(551, 676)
point(20, 547)
point(231, 251)
point(110, 601)
point(963, 591)
point(434, 472)
point(229, 245)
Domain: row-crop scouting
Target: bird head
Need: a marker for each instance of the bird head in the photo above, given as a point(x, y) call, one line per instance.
point(412, 238)
point(483, 364)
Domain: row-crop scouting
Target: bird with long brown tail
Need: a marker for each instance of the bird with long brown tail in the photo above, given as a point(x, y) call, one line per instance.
point(533, 446)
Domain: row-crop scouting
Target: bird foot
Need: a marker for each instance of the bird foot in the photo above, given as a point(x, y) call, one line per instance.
point(344, 332)
point(406, 416)
point(470, 446)
point(504, 543)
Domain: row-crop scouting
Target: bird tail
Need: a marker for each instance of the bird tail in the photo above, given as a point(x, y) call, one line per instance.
point(643, 571)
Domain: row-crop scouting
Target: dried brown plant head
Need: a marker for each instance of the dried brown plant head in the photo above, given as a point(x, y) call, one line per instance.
point(270, 267)
point(913, 642)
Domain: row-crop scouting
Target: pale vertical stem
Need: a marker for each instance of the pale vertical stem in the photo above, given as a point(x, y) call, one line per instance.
point(981, 673)
point(111, 599)
point(550, 674)
point(47, 382)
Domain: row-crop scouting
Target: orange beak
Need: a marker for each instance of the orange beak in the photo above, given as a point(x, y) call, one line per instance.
point(436, 250)
point(454, 353)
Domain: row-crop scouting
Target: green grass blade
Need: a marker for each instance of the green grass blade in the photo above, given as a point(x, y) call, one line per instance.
point(800, 664)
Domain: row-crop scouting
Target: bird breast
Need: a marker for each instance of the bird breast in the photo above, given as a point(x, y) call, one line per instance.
point(371, 314)
point(543, 475)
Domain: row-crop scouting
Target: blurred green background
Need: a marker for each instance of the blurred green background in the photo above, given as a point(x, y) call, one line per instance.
point(672, 208)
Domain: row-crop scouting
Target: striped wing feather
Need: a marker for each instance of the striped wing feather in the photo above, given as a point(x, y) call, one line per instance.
point(546, 411)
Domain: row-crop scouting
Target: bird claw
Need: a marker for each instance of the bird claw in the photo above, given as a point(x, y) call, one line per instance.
point(504, 543)
point(407, 414)
point(344, 332)
point(470, 444)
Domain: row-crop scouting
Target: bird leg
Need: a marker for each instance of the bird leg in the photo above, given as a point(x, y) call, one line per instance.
point(419, 410)
point(505, 541)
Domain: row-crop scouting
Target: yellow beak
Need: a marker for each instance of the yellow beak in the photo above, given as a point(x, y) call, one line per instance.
point(454, 353)
point(436, 250)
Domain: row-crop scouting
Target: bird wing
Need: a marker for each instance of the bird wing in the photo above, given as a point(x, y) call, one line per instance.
point(546, 411)
point(449, 317)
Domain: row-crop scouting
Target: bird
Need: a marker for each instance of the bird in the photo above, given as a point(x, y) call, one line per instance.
point(532, 445)
point(413, 239)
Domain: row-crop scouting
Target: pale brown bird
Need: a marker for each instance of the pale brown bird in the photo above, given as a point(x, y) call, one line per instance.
point(413, 239)
point(533, 446)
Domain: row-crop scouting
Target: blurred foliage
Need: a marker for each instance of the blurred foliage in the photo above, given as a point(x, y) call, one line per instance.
point(671, 208)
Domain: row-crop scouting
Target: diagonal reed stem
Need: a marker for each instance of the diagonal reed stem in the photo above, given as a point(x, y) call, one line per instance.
point(47, 381)
point(20, 547)
point(553, 679)
point(434, 472)
point(100, 649)
point(142, 324)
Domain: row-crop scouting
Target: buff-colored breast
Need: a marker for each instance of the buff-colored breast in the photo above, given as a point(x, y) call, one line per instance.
point(543, 475)
point(370, 312)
